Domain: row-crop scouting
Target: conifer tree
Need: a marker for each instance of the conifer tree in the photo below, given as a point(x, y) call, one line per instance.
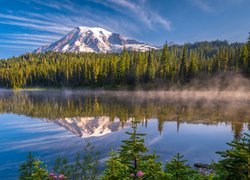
point(121, 69)
point(138, 67)
point(32, 169)
point(243, 61)
point(248, 48)
point(164, 62)
point(183, 66)
point(26, 169)
point(193, 65)
point(132, 150)
point(150, 72)
point(235, 163)
point(133, 158)
point(177, 167)
point(115, 169)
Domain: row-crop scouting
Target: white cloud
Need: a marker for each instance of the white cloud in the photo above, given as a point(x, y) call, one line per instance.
point(203, 5)
point(53, 29)
point(59, 5)
point(23, 42)
point(68, 15)
point(28, 39)
point(25, 36)
point(139, 10)
point(13, 46)
point(24, 19)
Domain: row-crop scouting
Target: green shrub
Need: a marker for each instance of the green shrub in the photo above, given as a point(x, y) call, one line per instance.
point(235, 164)
point(32, 169)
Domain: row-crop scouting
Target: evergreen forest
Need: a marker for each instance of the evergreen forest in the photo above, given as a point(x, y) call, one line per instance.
point(171, 65)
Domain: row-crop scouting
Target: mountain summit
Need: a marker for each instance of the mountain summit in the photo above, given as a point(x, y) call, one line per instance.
point(94, 39)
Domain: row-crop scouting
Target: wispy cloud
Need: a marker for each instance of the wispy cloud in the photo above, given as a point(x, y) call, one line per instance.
point(26, 19)
point(32, 41)
point(139, 11)
point(203, 5)
point(14, 47)
point(39, 24)
point(25, 42)
point(60, 16)
point(53, 29)
point(24, 36)
point(59, 5)
point(61, 24)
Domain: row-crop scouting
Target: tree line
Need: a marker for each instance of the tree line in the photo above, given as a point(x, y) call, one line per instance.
point(176, 64)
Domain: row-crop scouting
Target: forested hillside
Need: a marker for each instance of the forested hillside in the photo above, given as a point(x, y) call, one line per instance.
point(177, 64)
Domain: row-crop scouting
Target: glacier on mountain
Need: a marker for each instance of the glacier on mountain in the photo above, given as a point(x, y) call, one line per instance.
point(94, 39)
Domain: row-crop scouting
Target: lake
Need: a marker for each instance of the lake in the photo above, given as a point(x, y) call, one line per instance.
point(60, 122)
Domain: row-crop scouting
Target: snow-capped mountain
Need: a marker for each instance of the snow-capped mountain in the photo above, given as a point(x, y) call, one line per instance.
point(86, 127)
point(94, 39)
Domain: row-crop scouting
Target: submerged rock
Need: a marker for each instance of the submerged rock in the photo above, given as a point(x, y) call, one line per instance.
point(204, 168)
point(201, 165)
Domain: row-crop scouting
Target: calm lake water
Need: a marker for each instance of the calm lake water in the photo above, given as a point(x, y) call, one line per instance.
point(52, 123)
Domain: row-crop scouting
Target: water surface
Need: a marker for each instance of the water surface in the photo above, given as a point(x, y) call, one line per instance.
point(52, 123)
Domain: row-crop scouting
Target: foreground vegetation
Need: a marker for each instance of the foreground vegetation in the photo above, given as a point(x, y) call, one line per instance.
point(177, 64)
point(133, 161)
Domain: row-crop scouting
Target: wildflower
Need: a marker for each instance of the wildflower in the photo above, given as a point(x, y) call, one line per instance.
point(61, 176)
point(132, 175)
point(55, 177)
point(51, 174)
point(139, 173)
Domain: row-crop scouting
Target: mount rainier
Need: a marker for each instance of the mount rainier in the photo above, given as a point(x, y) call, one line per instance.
point(94, 39)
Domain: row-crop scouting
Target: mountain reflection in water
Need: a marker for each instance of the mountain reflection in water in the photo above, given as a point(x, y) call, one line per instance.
point(87, 113)
point(86, 127)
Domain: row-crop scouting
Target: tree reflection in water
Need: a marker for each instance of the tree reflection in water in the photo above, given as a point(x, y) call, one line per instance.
point(110, 111)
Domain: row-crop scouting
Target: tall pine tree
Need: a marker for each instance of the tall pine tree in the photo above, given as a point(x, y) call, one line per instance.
point(150, 72)
point(165, 62)
point(248, 48)
point(183, 67)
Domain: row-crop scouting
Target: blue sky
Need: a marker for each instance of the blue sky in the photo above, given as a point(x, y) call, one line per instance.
point(28, 24)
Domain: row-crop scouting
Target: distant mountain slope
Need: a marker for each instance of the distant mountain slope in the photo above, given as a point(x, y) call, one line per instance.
point(94, 39)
